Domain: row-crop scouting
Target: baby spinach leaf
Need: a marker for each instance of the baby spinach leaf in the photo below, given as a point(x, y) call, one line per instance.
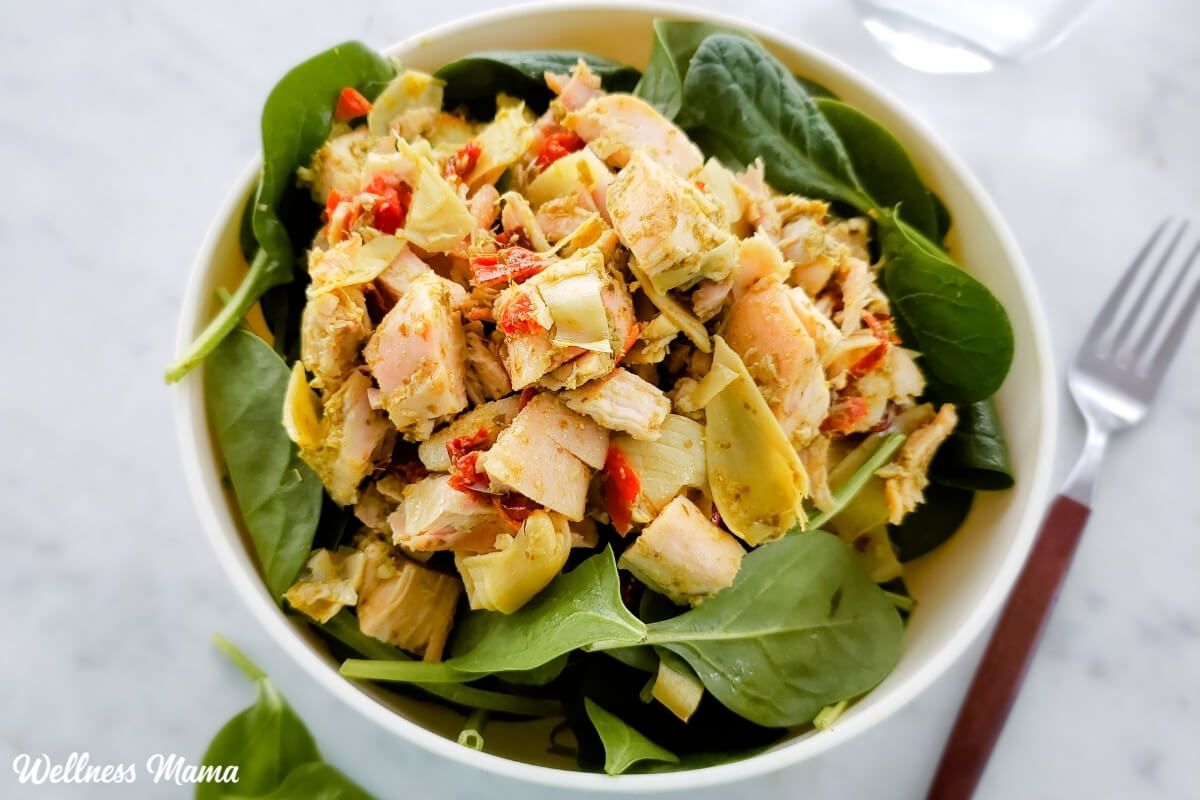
point(748, 105)
point(942, 214)
point(932, 522)
point(802, 627)
point(675, 42)
point(474, 81)
point(623, 746)
point(296, 119)
point(882, 165)
point(278, 494)
point(316, 781)
point(580, 608)
point(961, 330)
point(344, 628)
point(265, 742)
point(976, 454)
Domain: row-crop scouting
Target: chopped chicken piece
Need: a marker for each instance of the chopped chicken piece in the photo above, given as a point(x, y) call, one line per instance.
point(373, 508)
point(674, 230)
point(654, 341)
point(330, 582)
point(436, 516)
point(853, 234)
point(528, 460)
point(492, 417)
point(621, 401)
point(404, 603)
point(759, 202)
point(395, 279)
point(822, 330)
point(529, 356)
point(337, 165)
point(762, 327)
point(575, 433)
point(815, 458)
point(907, 381)
point(709, 298)
point(353, 437)
point(856, 282)
point(333, 327)
point(485, 377)
point(578, 371)
point(683, 555)
point(484, 206)
point(619, 126)
point(417, 356)
point(561, 217)
point(757, 257)
point(905, 478)
point(575, 90)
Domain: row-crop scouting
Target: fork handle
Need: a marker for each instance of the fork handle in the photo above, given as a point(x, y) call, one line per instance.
point(1009, 651)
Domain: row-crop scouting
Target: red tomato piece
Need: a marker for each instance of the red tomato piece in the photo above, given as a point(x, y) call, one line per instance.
point(558, 145)
point(509, 265)
point(621, 487)
point(515, 508)
point(518, 317)
point(845, 415)
point(460, 446)
point(350, 104)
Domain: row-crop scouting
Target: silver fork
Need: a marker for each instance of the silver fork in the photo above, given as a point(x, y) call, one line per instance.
point(1114, 379)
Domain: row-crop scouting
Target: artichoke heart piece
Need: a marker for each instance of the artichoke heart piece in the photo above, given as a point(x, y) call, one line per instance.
point(351, 262)
point(408, 91)
point(754, 474)
point(301, 411)
point(438, 220)
point(564, 177)
point(673, 310)
point(666, 466)
point(676, 686)
point(502, 141)
point(492, 417)
point(330, 582)
point(404, 603)
point(571, 291)
point(523, 565)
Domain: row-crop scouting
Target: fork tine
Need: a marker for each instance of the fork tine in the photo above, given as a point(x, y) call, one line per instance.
point(1106, 319)
point(1160, 315)
point(1162, 357)
point(1126, 329)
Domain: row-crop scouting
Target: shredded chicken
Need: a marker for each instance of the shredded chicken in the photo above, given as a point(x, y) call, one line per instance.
point(619, 126)
point(905, 478)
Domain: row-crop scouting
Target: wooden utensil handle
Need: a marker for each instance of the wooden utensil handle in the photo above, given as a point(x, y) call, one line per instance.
point(1008, 654)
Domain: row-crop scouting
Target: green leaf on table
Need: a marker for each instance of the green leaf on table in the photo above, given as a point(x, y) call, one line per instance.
point(296, 119)
point(316, 781)
point(271, 748)
point(802, 627)
point(976, 454)
point(932, 522)
point(279, 495)
point(474, 81)
point(882, 165)
point(580, 608)
point(749, 105)
point(959, 327)
point(623, 746)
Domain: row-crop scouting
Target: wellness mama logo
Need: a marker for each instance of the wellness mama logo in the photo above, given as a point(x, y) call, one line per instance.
point(77, 768)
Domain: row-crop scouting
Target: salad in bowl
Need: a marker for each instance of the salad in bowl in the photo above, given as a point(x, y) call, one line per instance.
point(560, 390)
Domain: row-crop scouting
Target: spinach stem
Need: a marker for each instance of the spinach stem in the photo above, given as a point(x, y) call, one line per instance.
point(472, 733)
point(239, 658)
point(828, 714)
point(847, 491)
point(247, 294)
point(403, 671)
point(900, 601)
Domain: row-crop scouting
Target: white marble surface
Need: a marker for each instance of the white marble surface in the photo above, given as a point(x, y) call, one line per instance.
point(121, 127)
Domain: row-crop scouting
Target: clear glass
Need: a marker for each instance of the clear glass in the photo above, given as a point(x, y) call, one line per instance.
point(968, 35)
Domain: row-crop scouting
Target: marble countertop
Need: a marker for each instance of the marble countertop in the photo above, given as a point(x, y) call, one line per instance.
point(122, 126)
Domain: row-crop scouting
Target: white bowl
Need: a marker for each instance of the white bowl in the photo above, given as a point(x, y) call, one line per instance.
point(958, 587)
